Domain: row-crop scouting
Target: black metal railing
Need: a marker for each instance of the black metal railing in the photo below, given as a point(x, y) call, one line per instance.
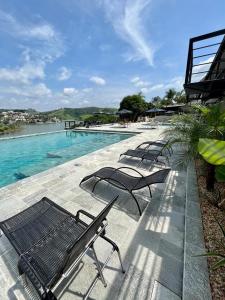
point(212, 68)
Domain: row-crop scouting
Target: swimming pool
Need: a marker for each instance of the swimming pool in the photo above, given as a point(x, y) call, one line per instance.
point(25, 156)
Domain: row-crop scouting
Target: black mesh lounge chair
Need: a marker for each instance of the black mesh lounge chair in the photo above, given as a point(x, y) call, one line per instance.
point(145, 154)
point(165, 144)
point(126, 181)
point(51, 242)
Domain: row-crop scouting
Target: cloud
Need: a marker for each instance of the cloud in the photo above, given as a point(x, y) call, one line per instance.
point(65, 101)
point(175, 82)
point(24, 74)
point(13, 27)
point(135, 79)
point(70, 91)
point(201, 68)
point(127, 20)
point(64, 74)
point(161, 88)
point(29, 91)
point(98, 80)
point(139, 83)
point(40, 97)
point(85, 102)
point(156, 87)
point(40, 43)
point(87, 90)
point(47, 43)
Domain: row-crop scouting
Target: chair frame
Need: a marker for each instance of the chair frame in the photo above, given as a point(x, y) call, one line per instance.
point(145, 152)
point(47, 293)
point(124, 188)
point(160, 143)
point(118, 184)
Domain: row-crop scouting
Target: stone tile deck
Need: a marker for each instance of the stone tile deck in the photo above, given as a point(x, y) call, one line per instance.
point(151, 245)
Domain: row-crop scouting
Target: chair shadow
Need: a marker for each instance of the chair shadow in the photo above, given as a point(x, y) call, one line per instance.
point(105, 192)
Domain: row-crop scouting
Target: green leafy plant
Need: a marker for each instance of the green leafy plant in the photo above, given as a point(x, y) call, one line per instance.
point(186, 131)
point(219, 255)
point(213, 152)
point(207, 124)
point(220, 173)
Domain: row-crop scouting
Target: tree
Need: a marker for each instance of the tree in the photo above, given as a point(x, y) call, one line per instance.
point(156, 102)
point(136, 103)
point(180, 97)
point(156, 99)
point(169, 97)
point(170, 94)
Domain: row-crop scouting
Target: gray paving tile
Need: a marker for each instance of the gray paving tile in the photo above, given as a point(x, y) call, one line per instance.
point(161, 292)
point(193, 210)
point(169, 249)
point(196, 282)
point(171, 274)
point(194, 233)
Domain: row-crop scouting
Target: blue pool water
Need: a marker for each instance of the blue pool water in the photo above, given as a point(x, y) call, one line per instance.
point(26, 156)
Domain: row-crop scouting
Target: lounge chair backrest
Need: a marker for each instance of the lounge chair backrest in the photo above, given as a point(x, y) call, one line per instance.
point(158, 177)
point(81, 243)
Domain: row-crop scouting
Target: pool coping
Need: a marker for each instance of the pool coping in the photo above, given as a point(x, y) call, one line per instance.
point(32, 134)
point(106, 131)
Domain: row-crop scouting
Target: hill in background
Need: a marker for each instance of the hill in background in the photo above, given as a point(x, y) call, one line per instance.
point(66, 113)
point(77, 113)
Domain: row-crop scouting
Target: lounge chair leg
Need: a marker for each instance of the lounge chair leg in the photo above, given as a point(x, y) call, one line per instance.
point(120, 157)
point(115, 248)
point(93, 189)
point(169, 151)
point(150, 192)
point(120, 259)
point(139, 209)
point(167, 159)
point(99, 268)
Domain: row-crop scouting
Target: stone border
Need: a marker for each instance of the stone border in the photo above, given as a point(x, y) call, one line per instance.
point(105, 131)
point(29, 135)
point(195, 274)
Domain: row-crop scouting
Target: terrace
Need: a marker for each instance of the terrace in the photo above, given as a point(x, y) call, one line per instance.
point(156, 248)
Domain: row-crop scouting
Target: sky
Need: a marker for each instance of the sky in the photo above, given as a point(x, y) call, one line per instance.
point(77, 53)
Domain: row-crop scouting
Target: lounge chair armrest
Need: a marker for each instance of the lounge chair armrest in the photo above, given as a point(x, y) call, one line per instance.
point(81, 211)
point(144, 143)
point(131, 170)
point(90, 216)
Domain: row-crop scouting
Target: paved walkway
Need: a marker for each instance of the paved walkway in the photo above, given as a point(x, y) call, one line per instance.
point(151, 245)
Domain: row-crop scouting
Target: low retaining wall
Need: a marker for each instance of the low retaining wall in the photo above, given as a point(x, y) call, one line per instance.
point(195, 276)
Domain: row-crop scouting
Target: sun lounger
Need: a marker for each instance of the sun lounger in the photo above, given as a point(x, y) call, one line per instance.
point(159, 143)
point(145, 154)
point(126, 181)
point(51, 242)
